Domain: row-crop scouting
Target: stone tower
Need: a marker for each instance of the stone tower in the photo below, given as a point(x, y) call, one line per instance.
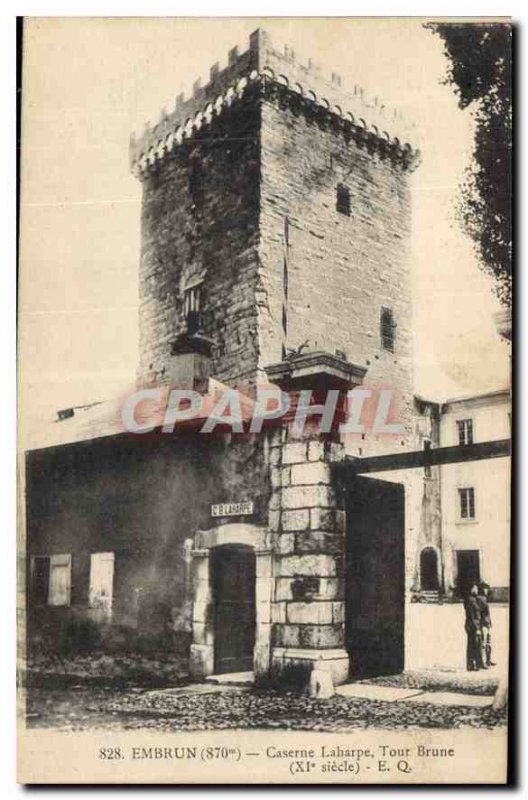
point(275, 213)
point(275, 240)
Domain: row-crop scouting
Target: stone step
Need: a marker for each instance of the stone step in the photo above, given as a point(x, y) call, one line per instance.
point(232, 678)
point(366, 691)
point(451, 699)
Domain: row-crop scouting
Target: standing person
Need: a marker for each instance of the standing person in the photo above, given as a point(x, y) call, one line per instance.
point(473, 627)
point(485, 626)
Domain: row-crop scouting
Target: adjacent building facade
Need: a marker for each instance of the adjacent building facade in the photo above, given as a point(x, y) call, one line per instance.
point(476, 496)
point(465, 509)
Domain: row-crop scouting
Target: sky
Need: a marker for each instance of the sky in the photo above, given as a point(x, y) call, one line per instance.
point(88, 83)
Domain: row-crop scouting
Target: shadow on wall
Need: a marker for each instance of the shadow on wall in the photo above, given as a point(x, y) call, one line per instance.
point(70, 632)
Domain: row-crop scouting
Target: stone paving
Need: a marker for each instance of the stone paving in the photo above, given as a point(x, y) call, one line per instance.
point(450, 699)
point(483, 682)
point(219, 707)
point(367, 691)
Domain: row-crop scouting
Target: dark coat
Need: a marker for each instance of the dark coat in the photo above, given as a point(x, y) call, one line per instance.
point(473, 618)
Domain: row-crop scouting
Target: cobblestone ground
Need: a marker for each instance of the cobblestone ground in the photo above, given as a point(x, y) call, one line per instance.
point(235, 708)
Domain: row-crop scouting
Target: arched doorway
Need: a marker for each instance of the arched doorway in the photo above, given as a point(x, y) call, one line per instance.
point(429, 570)
point(233, 576)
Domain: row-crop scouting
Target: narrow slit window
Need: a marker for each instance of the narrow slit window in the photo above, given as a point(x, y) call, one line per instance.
point(387, 328)
point(343, 201)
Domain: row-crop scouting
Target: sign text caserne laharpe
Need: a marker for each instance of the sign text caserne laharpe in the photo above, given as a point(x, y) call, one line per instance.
point(232, 509)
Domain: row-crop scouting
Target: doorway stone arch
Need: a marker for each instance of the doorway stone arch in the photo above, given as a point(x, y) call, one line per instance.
point(257, 538)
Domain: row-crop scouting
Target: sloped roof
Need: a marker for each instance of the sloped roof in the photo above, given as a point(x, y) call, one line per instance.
point(104, 418)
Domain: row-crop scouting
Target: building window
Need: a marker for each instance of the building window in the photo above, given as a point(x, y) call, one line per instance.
point(51, 580)
point(343, 199)
point(192, 299)
point(387, 327)
point(101, 582)
point(465, 431)
point(196, 176)
point(192, 304)
point(467, 503)
point(427, 447)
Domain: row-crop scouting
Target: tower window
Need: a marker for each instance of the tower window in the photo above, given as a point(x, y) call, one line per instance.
point(192, 300)
point(192, 304)
point(343, 199)
point(387, 327)
point(465, 431)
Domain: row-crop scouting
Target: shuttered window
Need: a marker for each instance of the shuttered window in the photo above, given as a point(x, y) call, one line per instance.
point(102, 582)
point(59, 580)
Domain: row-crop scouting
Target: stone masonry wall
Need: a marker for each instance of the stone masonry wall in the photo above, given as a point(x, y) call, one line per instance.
point(141, 498)
point(246, 198)
point(308, 531)
point(340, 270)
point(200, 218)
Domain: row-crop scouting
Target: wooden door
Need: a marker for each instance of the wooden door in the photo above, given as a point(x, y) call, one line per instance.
point(375, 577)
point(233, 581)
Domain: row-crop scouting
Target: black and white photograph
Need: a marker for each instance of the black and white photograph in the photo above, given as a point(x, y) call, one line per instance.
point(265, 406)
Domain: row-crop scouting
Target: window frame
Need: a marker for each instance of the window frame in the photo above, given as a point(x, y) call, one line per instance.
point(469, 502)
point(465, 425)
point(192, 293)
point(192, 298)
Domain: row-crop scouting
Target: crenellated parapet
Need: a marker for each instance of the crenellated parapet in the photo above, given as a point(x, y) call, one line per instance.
point(264, 72)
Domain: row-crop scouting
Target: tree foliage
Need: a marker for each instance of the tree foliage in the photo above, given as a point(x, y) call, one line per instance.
point(480, 71)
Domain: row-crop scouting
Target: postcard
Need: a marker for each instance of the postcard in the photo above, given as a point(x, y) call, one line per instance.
point(265, 400)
